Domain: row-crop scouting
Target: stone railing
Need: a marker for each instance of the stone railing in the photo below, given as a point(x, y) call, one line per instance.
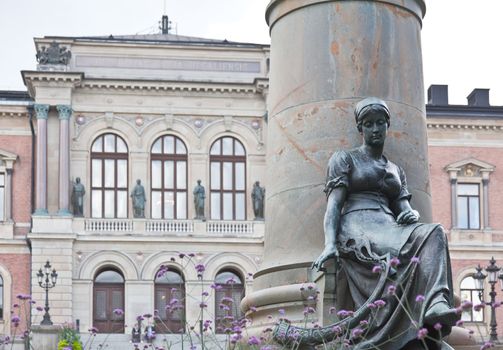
point(230, 227)
point(194, 228)
point(108, 225)
point(169, 226)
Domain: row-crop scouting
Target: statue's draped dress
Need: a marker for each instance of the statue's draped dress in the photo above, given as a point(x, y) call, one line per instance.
point(369, 236)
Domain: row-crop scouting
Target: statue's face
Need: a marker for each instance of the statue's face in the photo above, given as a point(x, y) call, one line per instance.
point(374, 128)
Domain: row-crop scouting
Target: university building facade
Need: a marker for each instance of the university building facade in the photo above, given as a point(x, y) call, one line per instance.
point(168, 111)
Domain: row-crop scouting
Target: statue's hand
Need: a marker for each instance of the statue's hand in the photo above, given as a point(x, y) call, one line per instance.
point(407, 217)
point(330, 251)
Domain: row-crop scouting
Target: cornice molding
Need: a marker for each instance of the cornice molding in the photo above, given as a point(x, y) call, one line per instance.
point(460, 126)
point(175, 86)
point(66, 77)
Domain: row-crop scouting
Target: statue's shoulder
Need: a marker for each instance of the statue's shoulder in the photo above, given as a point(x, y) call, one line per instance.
point(343, 156)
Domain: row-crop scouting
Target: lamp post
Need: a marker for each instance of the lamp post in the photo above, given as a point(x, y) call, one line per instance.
point(492, 271)
point(47, 280)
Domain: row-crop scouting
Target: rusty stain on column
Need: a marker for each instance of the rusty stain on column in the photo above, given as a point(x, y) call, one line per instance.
point(326, 56)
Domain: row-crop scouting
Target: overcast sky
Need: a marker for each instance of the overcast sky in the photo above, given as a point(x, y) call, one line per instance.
point(461, 38)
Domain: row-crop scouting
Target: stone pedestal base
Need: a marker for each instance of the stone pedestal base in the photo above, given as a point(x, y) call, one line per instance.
point(45, 337)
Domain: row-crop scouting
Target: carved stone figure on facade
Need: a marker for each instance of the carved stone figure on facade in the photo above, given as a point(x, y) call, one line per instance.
point(54, 54)
point(139, 199)
point(385, 259)
point(78, 193)
point(199, 197)
point(258, 197)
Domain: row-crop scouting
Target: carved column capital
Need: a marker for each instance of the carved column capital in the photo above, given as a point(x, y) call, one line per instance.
point(8, 171)
point(41, 110)
point(64, 111)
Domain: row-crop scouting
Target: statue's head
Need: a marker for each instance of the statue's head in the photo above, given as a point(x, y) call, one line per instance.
point(198, 182)
point(138, 181)
point(77, 180)
point(370, 105)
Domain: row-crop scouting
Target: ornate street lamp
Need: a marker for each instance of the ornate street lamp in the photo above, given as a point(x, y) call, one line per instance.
point(492, 272)
point(47, 283)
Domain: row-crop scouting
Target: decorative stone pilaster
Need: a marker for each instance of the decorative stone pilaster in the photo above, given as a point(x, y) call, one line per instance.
point(454, 200)
point(65, 113)
point(42, 112)
point(485, 193)
point(8, 195)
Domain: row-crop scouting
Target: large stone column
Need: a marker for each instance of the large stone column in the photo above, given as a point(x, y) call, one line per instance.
point(325, 57)
point(64, 159)
point(42, 112)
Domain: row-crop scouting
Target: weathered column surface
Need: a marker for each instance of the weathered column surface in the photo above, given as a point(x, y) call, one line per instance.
point(42, 111)
point(64, 112)
point(325, 57)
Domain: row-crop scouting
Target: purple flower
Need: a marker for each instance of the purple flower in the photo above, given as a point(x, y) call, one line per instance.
point(181, 255)
point(437, 326)
point(309, 310)
point(337, 329)
point(331, 310)
point(93, 330)
point(415, 260)
point(253, 340)
point(391, 290)
point(478, 307)
point(394, 262)
point(200, 268)
point(23, 296)
point(205, 294)
point(40, 308)
point(466, 305)
point(380, 303)
point(15, 305)
point(460, 323)
point(230, 281)
point(281, 311)
point(422, 333)
point(15, 319)
point(487, 345)
point(203, 305)
point(364, 323)
point(118, 312)
point(377, 269)
point(344, 313)
point(253, 309)
point(357, 332)
point(420, 298)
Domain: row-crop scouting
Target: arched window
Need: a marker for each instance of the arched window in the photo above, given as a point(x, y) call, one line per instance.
point(108, 305)
point(229, 291)
point(470, 292)
point(109, 177)
point(170, 301)
point(169, 178)
point(1, 298)
point(227, 180)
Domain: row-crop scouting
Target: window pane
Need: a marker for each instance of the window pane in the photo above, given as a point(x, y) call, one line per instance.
point(180, 147)
point(181, 175)
point(468, 189)
point(157, 147)
point(474, 212)
point(100, 311)
point(109, 143)
point(227, 146)
point(462, 212)
point(122, 204)
point(96, 210)
point(98, 145)
point(215, 206)
point(228, 277)
point(238, 150)
point(467, 283)
point(122, 173)
point(215, 175)
point(156, 174)
point(109, 276)
point(215, 149)
point(2, 180)
point(228, 207)
point(240, 176)
point(109, 173)
point(2, 198)
point(227, 176)
point(240, 206)
point(181, 205)
point(97, 172)
point(156, 205)
point(169, 174)
point(169, 144)
point(109, 204)
point(121, 146)
point(169, 205)
point(117, 303)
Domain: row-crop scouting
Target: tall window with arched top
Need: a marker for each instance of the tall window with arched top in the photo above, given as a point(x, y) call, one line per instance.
point(108, 305)
point(169, 178)
point(109, 177)
point(470, 292)
point(170, 301)
point(229, 291)
point(227, 180)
